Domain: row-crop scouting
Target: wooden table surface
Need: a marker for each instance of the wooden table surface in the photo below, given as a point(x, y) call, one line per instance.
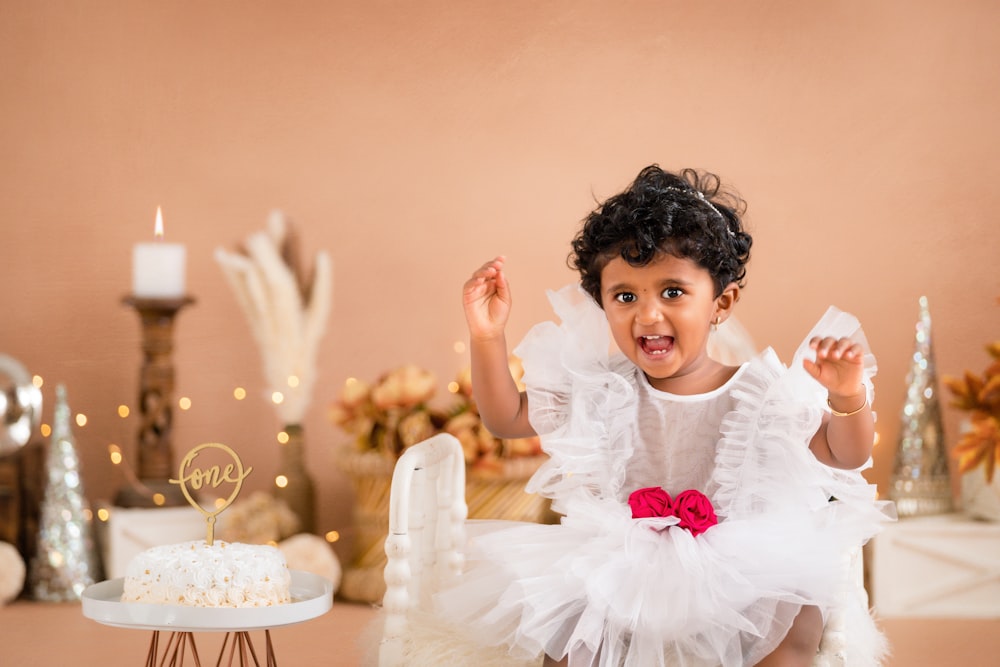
point(57, 635)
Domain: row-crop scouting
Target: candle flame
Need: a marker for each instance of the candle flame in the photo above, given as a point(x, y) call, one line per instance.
point(158, 230)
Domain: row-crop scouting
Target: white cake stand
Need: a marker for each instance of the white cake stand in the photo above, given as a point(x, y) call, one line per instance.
point(312, 596)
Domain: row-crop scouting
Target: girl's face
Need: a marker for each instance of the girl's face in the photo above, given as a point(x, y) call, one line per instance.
point(660, 316)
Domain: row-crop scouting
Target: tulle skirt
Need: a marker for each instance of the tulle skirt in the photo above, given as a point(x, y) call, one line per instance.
point(609, 590)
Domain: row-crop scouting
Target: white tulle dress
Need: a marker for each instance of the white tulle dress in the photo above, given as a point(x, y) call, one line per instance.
point(610, 590)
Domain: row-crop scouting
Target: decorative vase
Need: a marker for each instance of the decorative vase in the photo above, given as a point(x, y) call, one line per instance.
point(495, 495)
point(298, 492)
point(981, 500)
point(371, 477)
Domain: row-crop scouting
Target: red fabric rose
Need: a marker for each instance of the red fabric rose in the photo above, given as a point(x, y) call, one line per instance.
point(651, 501)
point(695, 511)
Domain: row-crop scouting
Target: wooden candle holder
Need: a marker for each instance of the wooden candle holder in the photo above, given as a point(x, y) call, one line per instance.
point(156, 389)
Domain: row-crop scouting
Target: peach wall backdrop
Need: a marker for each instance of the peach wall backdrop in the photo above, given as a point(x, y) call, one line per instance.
point(415, 140)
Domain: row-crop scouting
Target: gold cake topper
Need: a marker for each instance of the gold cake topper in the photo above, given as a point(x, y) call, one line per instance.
point(214, 476)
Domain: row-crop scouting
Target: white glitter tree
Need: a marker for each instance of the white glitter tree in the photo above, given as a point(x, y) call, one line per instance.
point(921, 483)
point(66, 560)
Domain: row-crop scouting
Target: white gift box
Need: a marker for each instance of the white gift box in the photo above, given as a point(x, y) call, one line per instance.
point(946, 565)
point(130, 531)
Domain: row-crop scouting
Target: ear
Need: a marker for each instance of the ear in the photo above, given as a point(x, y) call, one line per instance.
point(725, 302)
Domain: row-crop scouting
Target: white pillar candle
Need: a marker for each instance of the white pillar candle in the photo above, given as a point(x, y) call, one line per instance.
point(158, 267)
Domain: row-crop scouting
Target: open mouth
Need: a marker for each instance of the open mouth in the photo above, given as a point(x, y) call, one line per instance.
point(656, 345)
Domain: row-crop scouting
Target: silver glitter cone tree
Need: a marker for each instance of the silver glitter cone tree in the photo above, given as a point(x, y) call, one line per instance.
point(66, 561)
point(920, 481)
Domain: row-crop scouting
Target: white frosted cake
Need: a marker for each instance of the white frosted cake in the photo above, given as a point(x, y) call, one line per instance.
point(193, 574)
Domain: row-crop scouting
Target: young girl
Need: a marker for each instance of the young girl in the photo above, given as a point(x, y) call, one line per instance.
point(707, 508)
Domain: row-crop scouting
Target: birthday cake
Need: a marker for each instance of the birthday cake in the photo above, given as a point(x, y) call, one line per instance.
point(194, 574)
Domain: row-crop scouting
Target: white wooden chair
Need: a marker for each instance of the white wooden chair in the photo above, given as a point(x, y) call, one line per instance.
point(427, 514)
point(427, 525)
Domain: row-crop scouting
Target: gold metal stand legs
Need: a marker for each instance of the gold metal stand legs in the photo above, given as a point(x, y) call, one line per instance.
point(239, 652)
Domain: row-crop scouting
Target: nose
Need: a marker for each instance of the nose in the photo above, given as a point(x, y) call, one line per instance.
point(648, 313)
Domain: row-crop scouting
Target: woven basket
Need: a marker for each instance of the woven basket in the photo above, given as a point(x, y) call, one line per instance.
point(495, 495)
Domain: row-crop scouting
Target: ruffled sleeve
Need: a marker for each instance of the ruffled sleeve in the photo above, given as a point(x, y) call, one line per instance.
point(582, 400)
point(763, 460)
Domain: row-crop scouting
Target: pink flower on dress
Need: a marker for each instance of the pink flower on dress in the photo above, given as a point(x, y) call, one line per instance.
point(692, 508)
point(695, 511)
point(651, 501)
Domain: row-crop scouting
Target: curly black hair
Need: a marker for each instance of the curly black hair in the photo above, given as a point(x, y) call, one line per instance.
point(684, 214)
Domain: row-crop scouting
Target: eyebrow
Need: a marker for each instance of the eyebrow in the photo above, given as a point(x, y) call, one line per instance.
point(617, 287)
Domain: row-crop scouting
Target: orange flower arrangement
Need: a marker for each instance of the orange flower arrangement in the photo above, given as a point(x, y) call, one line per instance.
point(484, 452)
point(394, 413)
point(391, 414)
point(980, 395)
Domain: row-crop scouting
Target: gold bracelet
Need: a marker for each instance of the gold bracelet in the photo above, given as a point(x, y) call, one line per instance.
point(837, 413)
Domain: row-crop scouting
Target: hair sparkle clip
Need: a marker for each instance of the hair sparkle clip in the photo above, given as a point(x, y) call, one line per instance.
point(705, 200)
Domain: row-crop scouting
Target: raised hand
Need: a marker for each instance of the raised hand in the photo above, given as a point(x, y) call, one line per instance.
point(486, 300)
point(839, 367)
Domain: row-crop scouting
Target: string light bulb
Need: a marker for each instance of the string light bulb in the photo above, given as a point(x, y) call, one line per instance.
point(117, 456)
